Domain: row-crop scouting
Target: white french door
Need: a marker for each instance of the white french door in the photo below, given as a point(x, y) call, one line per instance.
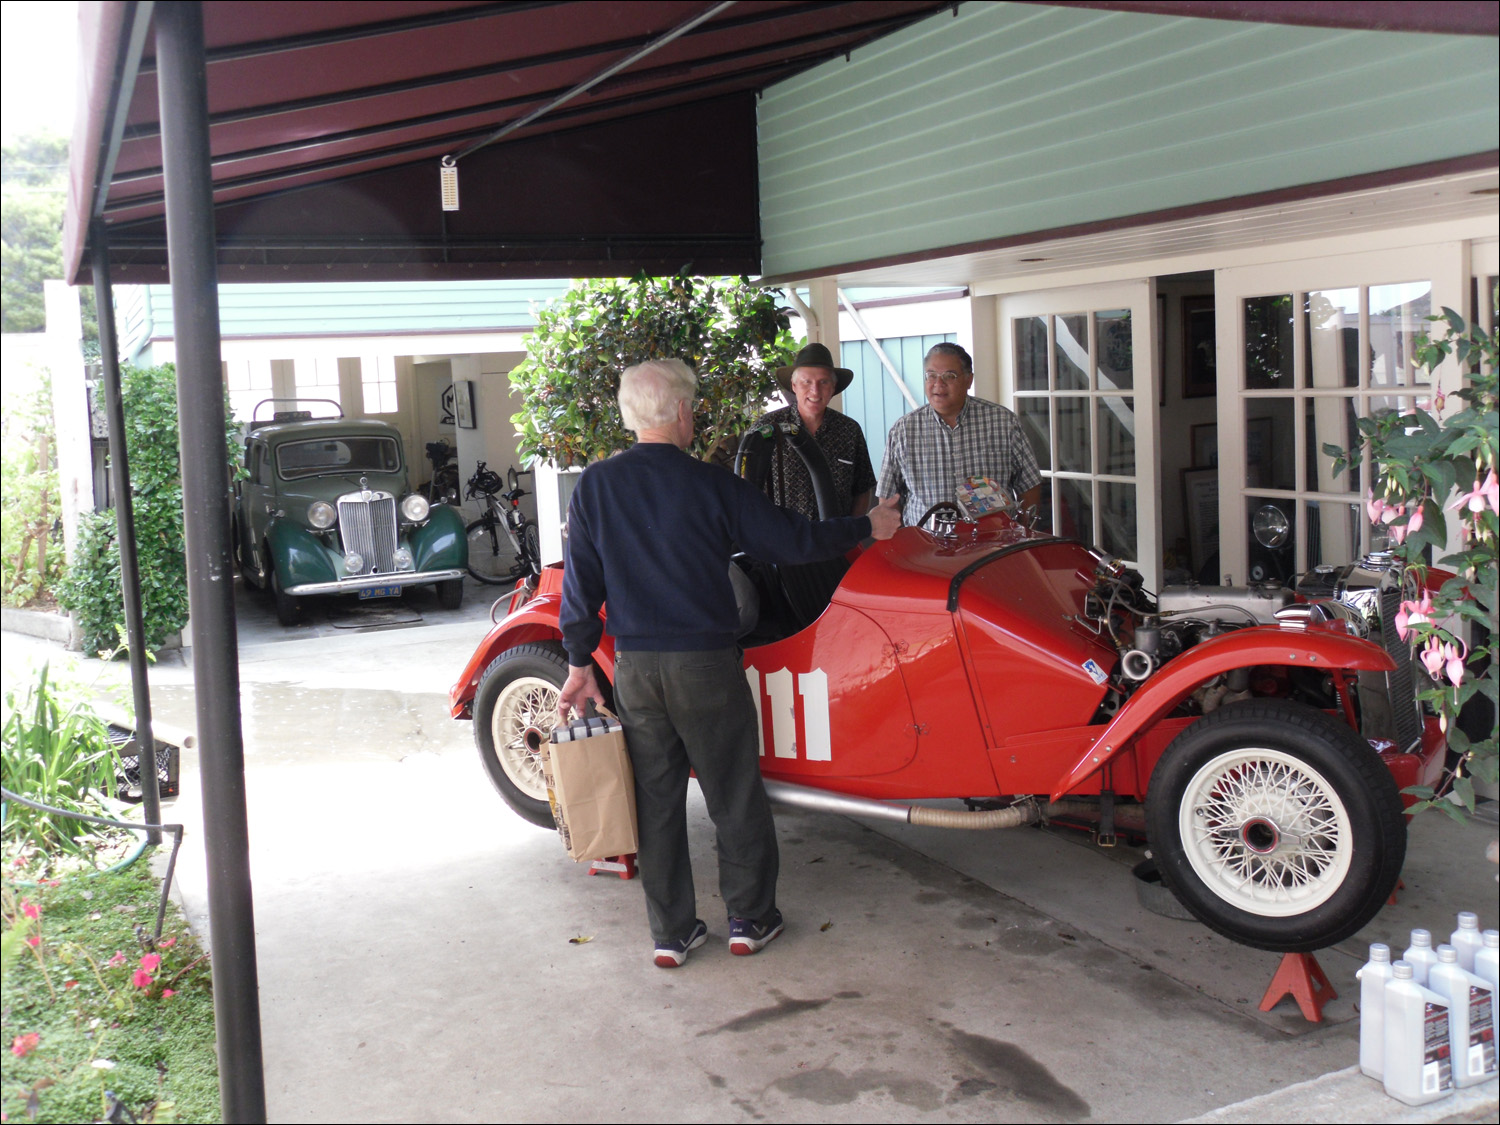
point(1079, 368)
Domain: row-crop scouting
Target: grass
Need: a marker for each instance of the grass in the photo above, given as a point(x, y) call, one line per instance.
point(83, 1014)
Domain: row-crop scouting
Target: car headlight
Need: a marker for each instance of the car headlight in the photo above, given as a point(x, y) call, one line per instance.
point(415, 507)
point(1272, 528)
point(403, 558)
point(354, 563)
point(322, 515)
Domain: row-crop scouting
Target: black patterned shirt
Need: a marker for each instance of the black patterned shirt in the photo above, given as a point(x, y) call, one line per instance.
point(842, 443)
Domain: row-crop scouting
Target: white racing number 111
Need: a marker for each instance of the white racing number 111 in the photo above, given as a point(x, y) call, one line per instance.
point(809, 693)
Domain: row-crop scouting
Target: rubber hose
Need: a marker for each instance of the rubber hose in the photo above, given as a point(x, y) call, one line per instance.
point(1013, 817)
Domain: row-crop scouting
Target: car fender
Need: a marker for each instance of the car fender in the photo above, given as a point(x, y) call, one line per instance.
point(439, 544)
point(537, 620)
point(300, 558)
point(1313, 648)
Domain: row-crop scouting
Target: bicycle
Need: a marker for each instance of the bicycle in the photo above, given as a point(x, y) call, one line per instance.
point(503, 543)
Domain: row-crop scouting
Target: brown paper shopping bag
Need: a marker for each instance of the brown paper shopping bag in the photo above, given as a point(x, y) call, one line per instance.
point(591, 788)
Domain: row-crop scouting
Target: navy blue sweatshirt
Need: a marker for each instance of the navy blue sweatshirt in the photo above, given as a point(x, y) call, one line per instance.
point(652, 531)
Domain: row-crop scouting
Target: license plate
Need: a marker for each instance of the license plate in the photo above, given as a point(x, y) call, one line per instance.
point(380, 592)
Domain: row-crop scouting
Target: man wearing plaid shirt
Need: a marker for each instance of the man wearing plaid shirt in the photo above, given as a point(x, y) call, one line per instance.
point(930, 452)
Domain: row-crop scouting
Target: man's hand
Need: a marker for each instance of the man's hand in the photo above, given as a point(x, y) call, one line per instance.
point(885, 518)
point(577, 691)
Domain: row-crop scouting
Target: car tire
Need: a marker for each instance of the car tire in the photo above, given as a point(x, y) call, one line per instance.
point(450, 594)
point(515, 709)
point(1276, 825)
point(288, 608)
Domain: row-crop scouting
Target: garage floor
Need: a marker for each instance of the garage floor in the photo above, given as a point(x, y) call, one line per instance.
point(425, 955)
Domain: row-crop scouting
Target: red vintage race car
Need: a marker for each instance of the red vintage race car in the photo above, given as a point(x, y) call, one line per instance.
point(1260, 735)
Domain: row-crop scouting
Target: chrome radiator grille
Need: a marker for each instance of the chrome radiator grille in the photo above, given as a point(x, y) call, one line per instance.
point(1403, 685)
point(368, 527)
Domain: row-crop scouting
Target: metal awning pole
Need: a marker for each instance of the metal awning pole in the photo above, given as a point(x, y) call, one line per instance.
point(885, 360)
point(182, 87)
point(130, 575)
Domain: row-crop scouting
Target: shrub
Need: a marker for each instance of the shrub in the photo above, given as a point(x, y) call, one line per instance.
point(29, 501)
point(732, 332)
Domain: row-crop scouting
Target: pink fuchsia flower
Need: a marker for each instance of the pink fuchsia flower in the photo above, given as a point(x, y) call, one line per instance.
point(1392, 512)
point(1445, 658)
point(117, 960)
point(30, 909)
point(150, 962)
point(23, 1045)
point(1374, 507)
point(166, 992)
point(140, 979)
point(1411, 614)
point(1485, 495)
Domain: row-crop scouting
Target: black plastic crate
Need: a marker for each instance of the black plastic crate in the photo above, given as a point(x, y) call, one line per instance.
point(128, 767)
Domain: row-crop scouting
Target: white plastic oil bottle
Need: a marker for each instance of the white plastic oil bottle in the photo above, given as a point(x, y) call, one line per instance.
point(1487, 961)
point(1471, 1017)
point(1372, 980)
point(1418, 1058)
point(1467, 940)
point(1419, 955)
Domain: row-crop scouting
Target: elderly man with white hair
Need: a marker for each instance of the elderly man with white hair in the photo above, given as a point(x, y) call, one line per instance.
point(651, 532)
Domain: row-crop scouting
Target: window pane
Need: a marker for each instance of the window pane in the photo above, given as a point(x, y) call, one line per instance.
point(1333, 533)
point(1272, 537)
point(1269, 429)
point(1332, 322)
point(1031, 353)
point(1033, 415)
point(1072, 352)
point(1397, 315)
point(1072, 434)
point(1075, 510)
point(1112, 334)
point(318, 379)
point(1330, 420)
point(1268, 342)
point(1117, 519)
point(1117, 436)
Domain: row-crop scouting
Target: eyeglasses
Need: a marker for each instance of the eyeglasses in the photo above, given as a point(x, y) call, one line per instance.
point(949, 377)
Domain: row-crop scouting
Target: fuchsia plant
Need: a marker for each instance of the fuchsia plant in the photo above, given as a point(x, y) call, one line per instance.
point(1425, 465)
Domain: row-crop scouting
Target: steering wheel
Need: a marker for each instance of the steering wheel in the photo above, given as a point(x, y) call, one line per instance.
point(941, 508)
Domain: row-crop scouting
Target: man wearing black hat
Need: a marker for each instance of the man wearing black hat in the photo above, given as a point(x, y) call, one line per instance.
point(809, 384)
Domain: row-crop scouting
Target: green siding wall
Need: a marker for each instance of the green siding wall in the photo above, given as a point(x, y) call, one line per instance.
point(872, 399)
point(338, 309)
point(1012, 118)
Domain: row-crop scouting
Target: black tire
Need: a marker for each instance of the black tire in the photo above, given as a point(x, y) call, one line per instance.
point(1294, 829)
point(242, 556)
point(288, 608)
point(450, 594)
point(533, 547)
point(491, 559)
point(517, 698)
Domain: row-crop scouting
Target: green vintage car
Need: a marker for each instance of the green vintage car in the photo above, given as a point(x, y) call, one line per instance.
point(324, 508)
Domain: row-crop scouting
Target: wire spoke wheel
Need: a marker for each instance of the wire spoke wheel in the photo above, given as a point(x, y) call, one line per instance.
point(1266, 831)
point(492, 559)
point(524, 716)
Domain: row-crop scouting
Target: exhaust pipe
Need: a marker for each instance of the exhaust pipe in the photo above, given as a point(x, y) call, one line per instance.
point(1028, 812)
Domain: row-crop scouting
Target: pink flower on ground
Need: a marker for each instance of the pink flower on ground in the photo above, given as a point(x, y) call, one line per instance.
point(150, 962)
point(166, 943)
point(34, 940)
point(67, 984)
point(168, 992)
point(141, 979)
point(23, 1045)
point(30, 909)
point(117, 960)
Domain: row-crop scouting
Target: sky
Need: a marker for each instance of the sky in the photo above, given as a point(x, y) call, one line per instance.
point(38, 61)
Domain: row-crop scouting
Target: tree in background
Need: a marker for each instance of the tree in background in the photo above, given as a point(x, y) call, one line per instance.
point(33, 190)
point(733, 333)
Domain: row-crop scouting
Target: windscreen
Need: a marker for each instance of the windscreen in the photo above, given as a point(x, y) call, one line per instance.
point(295, 459)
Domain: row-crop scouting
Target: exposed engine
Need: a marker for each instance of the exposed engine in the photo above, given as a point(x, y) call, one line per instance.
point(1150, 631)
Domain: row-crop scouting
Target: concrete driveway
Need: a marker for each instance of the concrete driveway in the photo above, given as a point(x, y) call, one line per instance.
point(427, 956)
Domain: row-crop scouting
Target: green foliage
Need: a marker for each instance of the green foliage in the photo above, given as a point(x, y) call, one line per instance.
point(79, 1021)
point(730, 331)
point(33, 191)
point(1420, 459)
point(92, 587)
point(56, 751)
point(30, 560)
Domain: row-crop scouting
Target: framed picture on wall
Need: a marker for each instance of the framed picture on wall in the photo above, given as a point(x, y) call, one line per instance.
point(463, 403)
point(1200, 371)
point(1200, 496)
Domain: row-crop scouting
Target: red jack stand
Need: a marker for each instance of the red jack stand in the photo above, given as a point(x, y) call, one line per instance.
point(1400, 886)
point(623, 864)
point(1300, 976)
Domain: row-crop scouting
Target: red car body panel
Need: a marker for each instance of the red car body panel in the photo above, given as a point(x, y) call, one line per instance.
point(965, 667)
